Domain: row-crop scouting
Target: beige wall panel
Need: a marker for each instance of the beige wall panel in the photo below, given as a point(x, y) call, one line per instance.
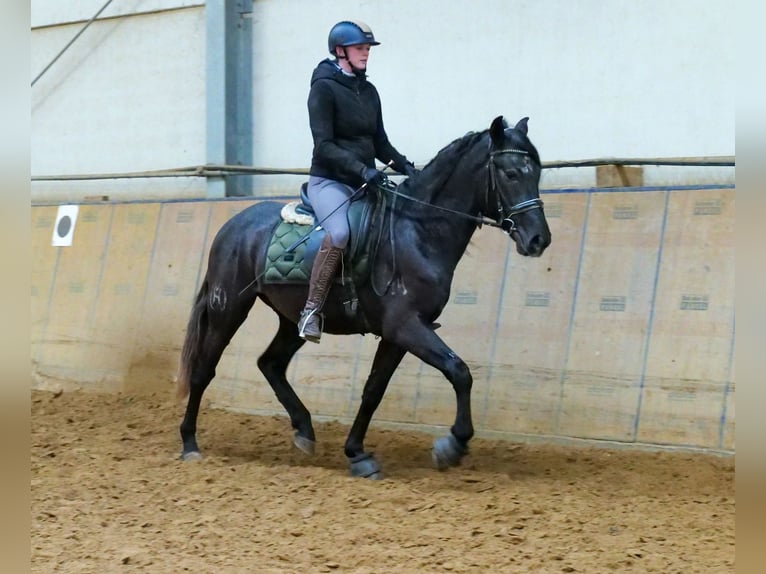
point(612, 310)
point(681, 412)
point(689, 355)
point(534, 322)
point(62, 355)
point(117, 315)
point(322, 374)
point(171, 288)
point(220, 213)
point(43, 268)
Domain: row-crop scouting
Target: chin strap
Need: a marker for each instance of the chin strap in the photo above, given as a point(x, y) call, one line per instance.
point(355, 71)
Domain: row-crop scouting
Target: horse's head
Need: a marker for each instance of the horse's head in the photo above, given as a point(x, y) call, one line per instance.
point(513, 189)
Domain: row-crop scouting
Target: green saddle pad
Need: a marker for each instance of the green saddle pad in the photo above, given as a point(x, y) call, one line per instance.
point(295, 267)
point(283, 267)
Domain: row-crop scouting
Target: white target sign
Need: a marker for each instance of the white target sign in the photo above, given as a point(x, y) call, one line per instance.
point(63, 230)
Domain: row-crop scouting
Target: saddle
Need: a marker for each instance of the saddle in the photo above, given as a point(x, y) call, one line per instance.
point(293, 267)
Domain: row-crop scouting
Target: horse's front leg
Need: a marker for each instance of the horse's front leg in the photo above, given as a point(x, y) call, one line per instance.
point(420, 340)
point(387, 358)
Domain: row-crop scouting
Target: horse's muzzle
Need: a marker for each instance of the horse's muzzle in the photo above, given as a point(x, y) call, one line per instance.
point(533, 246)
point(537, 245)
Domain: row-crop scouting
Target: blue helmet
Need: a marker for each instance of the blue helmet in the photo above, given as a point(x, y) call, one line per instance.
point(350, 33)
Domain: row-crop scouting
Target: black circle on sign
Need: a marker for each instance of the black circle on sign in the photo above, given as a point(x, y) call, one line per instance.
point(65, 224)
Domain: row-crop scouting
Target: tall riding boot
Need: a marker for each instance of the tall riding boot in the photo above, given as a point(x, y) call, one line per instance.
point(322, 273)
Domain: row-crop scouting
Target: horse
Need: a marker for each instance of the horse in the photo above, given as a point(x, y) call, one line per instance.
point(488, 177)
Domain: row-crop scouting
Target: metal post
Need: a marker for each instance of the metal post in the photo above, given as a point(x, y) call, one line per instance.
point(215, 90)
point(229, 80)
point(239, 94)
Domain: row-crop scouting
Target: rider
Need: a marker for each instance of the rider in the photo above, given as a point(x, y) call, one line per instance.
point(347, 127)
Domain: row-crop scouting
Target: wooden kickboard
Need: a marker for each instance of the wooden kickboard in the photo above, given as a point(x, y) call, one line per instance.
point(600, 390)
point(688, 363)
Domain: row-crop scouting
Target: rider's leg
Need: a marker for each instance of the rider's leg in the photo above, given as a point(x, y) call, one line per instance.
point(330, 202)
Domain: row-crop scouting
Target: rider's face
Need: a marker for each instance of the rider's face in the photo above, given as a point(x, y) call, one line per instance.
point(357, 56)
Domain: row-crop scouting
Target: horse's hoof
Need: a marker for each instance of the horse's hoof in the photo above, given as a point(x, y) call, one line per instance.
point(191, 456)
point(447, 452)
point(365, 466)
point(304, 444)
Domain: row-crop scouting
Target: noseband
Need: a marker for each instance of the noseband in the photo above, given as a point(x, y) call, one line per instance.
point(506, 223)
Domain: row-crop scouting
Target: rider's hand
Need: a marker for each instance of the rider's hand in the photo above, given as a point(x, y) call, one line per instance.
point(374, 176)
point(410, 169)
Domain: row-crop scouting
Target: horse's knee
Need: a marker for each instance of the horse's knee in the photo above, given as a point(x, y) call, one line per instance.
point(459, 374)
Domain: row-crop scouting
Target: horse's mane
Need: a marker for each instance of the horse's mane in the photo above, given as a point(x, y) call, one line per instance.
point(437, 171)
point(450, 152)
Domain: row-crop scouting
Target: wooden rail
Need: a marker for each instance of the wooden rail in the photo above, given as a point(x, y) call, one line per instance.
point(211, 170)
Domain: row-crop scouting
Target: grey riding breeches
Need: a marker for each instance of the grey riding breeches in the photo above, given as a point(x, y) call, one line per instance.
point(330, 200)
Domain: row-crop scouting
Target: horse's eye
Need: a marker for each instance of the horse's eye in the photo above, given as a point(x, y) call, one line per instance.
point(512, 174)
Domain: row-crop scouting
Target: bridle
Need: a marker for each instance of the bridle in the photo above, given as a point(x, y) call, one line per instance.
point(507, 224)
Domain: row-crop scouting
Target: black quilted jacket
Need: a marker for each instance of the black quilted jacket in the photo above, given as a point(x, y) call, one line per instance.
point(347, 126)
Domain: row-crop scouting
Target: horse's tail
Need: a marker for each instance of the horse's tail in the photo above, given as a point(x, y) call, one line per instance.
point(195, 335)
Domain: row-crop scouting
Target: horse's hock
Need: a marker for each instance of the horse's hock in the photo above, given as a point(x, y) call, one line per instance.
point(622, 331)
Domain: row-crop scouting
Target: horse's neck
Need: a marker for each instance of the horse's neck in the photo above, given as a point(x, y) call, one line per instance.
point(462, 191)
point(458, 230)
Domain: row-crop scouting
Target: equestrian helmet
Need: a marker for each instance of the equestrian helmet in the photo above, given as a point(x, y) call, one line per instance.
point(350, 33)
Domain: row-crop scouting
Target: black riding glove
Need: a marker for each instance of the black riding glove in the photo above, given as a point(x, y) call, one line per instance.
point(374, 176)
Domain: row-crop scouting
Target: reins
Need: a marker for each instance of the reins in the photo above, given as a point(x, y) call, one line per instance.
point(520, 207)
point(506, 223)
point(480, 220)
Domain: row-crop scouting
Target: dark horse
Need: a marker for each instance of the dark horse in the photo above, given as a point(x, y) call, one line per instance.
point(488, 177)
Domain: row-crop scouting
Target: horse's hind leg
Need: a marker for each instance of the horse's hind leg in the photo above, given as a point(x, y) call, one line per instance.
point(198, 381)
point(211, 327)
point(387, 358)
point(273, 364)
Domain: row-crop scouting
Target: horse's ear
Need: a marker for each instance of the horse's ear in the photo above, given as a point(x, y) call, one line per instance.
point(497, 129)
point(521, 125)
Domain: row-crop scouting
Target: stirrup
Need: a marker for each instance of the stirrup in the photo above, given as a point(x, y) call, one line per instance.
point(304, 319)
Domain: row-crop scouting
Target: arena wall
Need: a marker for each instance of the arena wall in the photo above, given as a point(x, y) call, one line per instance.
point(623, 331)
